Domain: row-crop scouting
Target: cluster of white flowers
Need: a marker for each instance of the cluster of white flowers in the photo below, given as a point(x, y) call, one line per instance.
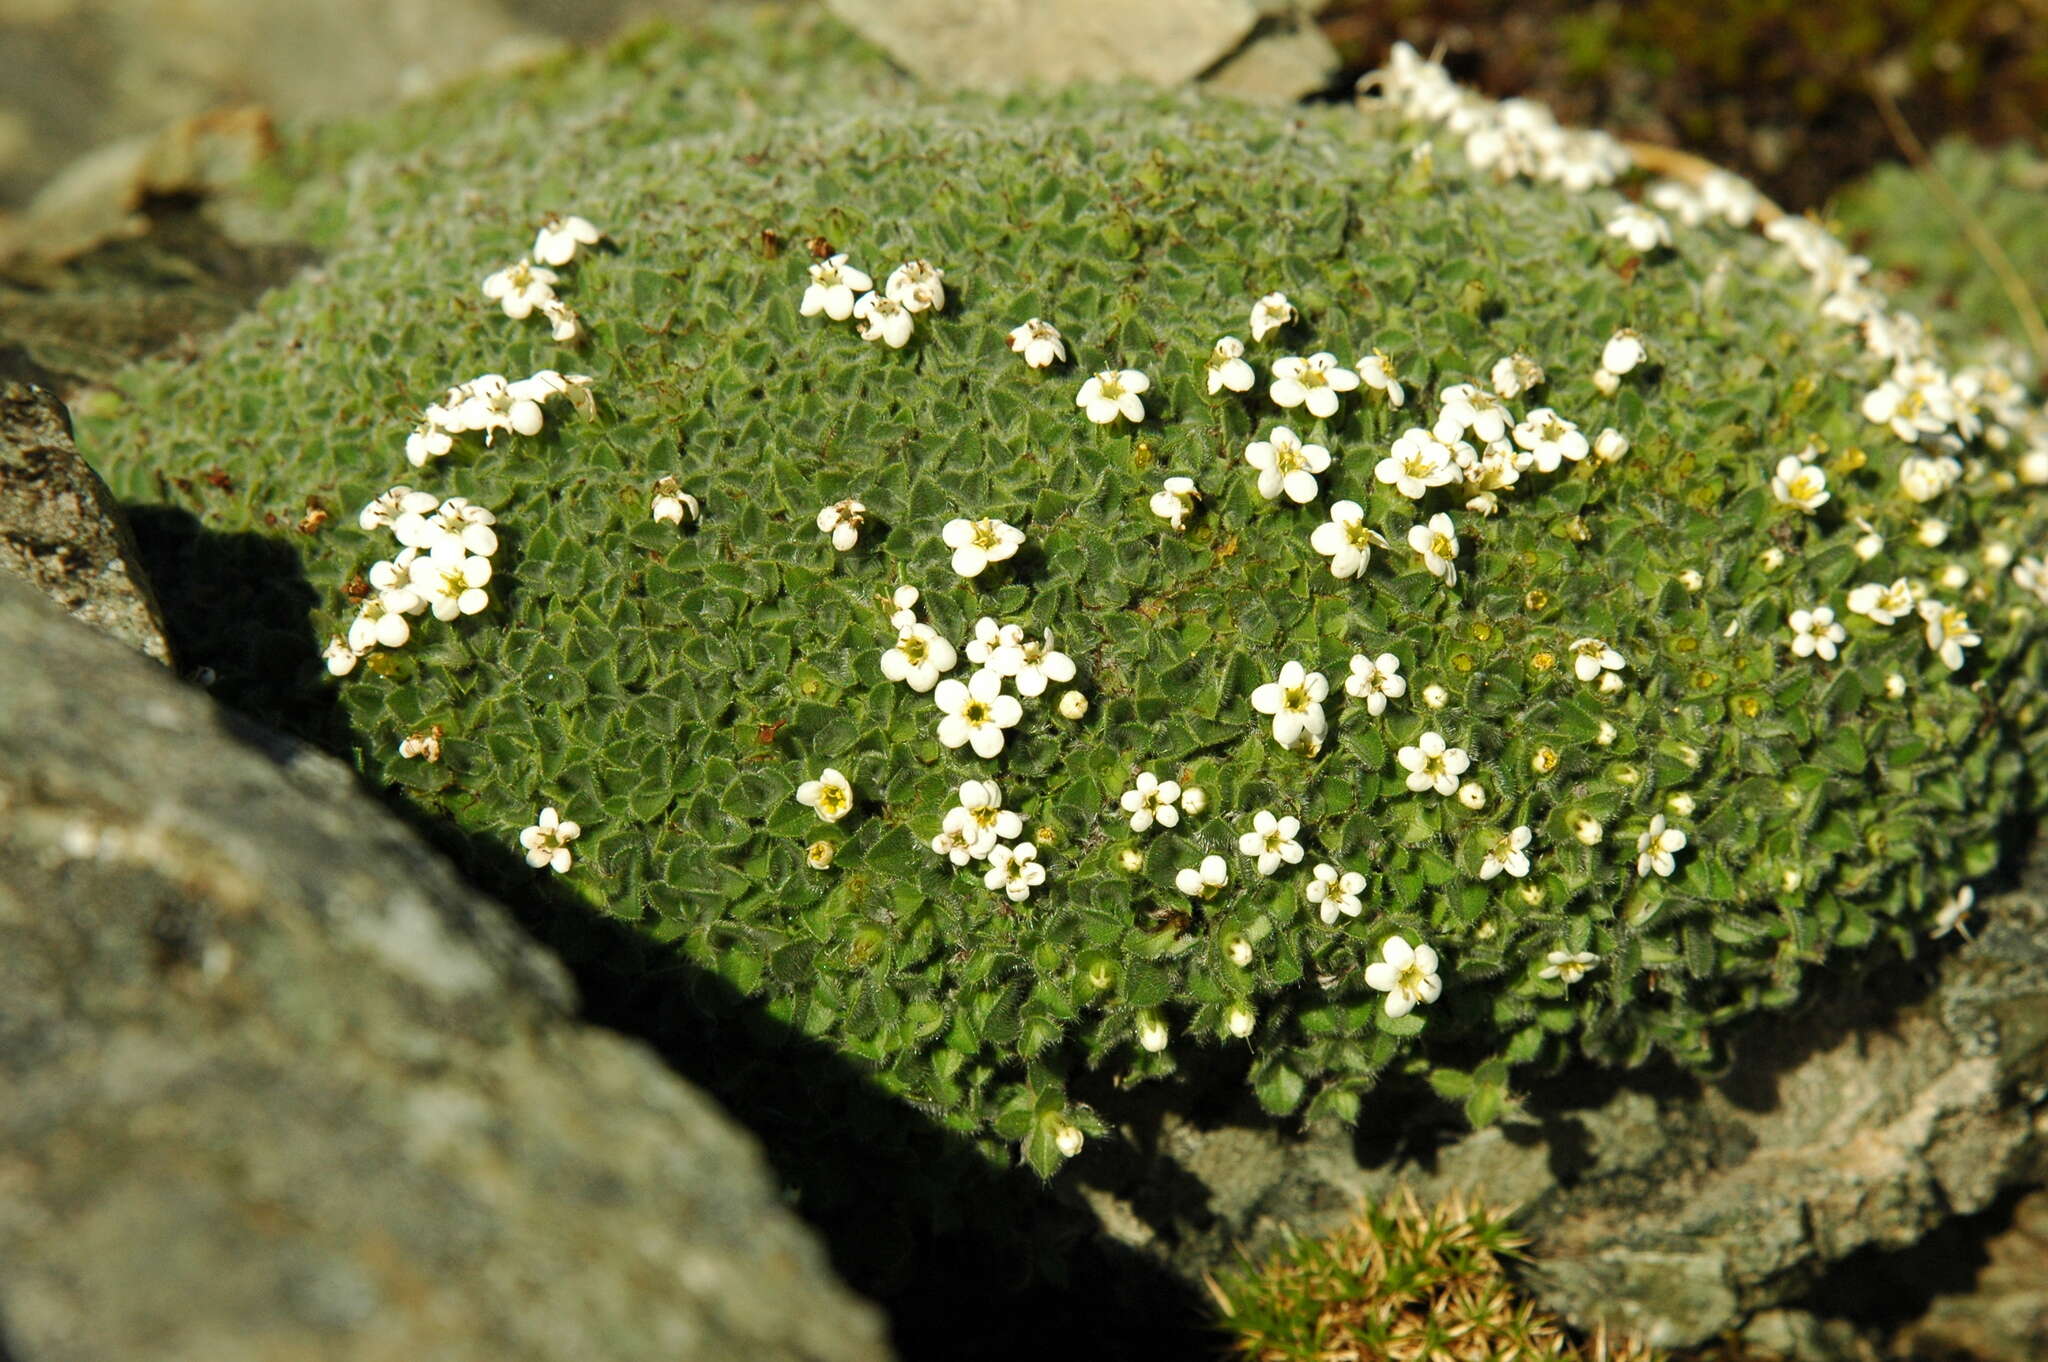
point(840, 291)
point(491, 403)
point(526, 288)
point(979, 828)
point(443, 566)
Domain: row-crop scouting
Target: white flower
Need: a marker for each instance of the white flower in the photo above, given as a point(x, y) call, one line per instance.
point(456, 518)
point(1514, 375)
point(1437, 542)
point(1885, 604)
point(1375, 680)
point(1203, 881)
point(562, 318)
point(1313, 382)
point(1227, 368)
point(1239, 1020)
point(1406, 974)
point(1931, 532)
point(453, 580)
point(1433, 766)
point(1068, 1139)
point(393, 581)
point(830, 794)
point(1193, 800)
point(2030, 574)
point(918, 657)
point(1287, 465)
point(672, 504)
point(977, 543)
point(1624, 351)
point(1610, 445)
point(833, 289)
point(1175, 502)
point(1113, 393)
point(1954, 577)
point(1014, 870)
point(428, 441)
point(1150, 800)
point(1948, 632)
point(1771, 559)
point(377, 625)
point(1815, 631)
point(976, 713)
point(1377, 371)
point(1690, 579)
point(1642, 229)
point(547, 841)
point(1336, 894)
point(979, 820)
point(1435, 696)
point(1508, 853)
point(1915, 401)
point(1420, 460)
point(521, 288)
point(952, 845)
point(1587, 829)
point(1568, 967)
point(883, 319)
point(1591, 656)
point(1472, 795)
point(416, 745)
point(1032, 664)
point(1950, 916)
point(558, 238)
point(1656, 847)
point(918, 285)
point(1550, 439)
point(1240, 950)
point(1272, 841)
point(340, 658)
point(1465, 408)
point(1271, 313)
point(398, 501)
point(1151, 1031)
point(1295, 701)
point(1799, 484)
point(1923, 479)
point(1345, 540)
point(842, 520)
point(1039, 342)
point(1605, 383)
point(989, 636)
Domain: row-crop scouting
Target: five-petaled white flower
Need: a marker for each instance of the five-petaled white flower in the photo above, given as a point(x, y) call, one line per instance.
point(989, 636)
point(918, 285)
point(918, 657)
point(521, 288)
point(1885, 604)
point(1151, 800)
point(1433, 766)
point(842, 520)
point(834, 287)
point(1656, 847)
point(1345, 540)
point(1420, 460)
point(340, 658)
point(1031, 663)
point(378, 624)
point(1287, 465)
point(1227, 367)
point(1550, 439)
point(547, 841)
point(1334, 893)
point(976, 712)
point(831, 794)
point(396, 589)
point(1175, 502)
point(1295, 701)
point(1591, 656)
point(399, 501)
point(978, 822)
point(1040, 343)
point(1375, 680)
point(1948, 632)
point(1272, 841)
point(556, 241)
point(672, 504)
point(1113, 393)
point(977, 543)
point(1799, 484)
point(1949, 918)
point(1642, 229)
point(1509, 853)
point(1815, 632)
point(453, 580)
point(1406, 974)
point(1203, 881)
point(1514, 375)
point(1271, 313)
point(1923, 478)
point(1014, 870)
point(1568, 967)
point(1624, 351)
point(1377, 372)
point(429, 440)
point(1466, 407)
point(1312, 382)
point(883, 319)
point(1437, 542)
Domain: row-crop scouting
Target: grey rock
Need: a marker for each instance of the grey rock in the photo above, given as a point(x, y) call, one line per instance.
point(1667, 1207)
point(280, 1086)
point(1001, 45)
point(1283, 62)
point(60, 529)
point(2003, 1317)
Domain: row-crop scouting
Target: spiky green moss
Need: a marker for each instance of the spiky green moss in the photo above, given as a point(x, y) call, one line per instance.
point(670, 691)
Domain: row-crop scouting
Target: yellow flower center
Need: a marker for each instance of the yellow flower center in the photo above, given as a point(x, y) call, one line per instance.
point(832, 799)
point(1411, 979)
point(985, 536)
point(914, 649)
point(975, 713)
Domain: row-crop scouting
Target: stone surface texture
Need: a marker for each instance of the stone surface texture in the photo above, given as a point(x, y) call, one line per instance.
point(280, 1087)
point(60, 529)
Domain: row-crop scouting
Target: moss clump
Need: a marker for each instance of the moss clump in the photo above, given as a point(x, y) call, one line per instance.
point(671, 691)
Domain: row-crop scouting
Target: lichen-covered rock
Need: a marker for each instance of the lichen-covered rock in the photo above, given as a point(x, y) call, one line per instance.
point(279, 1085)
point(1745, 800)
